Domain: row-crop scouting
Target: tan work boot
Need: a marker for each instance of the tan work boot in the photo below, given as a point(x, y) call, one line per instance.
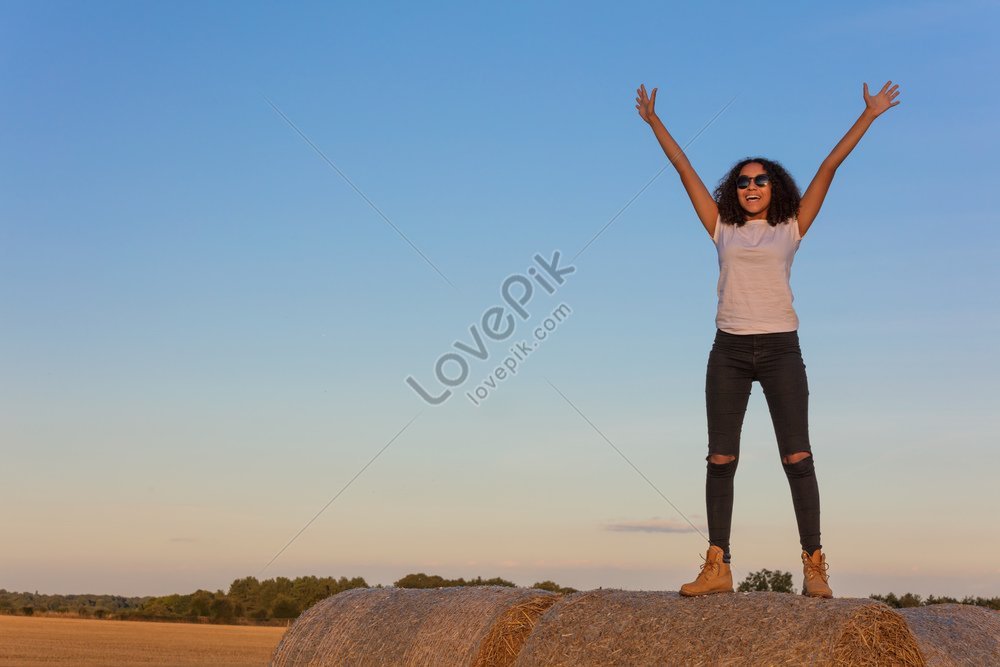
point(715, 576)
point(814, 568)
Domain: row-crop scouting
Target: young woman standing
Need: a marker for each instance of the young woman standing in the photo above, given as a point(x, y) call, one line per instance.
point(757, 219)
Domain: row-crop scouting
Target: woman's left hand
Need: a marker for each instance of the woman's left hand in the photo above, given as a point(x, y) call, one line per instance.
point(878, 103)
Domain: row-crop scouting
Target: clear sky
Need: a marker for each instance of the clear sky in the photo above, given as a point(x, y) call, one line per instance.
point(206, 328)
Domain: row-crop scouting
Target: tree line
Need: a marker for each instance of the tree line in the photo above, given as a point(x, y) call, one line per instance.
point(422, 580)
point(781, 582)
point(281, 599)
point(248, 600)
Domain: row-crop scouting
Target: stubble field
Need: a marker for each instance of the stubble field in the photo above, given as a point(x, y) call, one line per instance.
point(69, 641)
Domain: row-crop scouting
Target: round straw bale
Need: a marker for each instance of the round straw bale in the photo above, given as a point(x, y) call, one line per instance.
point(465, 625)
point(616, 627)
point(955, 634)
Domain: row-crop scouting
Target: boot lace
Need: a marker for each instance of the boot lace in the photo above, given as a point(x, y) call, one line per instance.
point(708, 569)
point(814, 569)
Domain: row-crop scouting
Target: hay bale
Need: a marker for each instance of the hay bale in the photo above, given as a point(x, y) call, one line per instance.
point(467, 625)
point(955, 634)
point(616, 627)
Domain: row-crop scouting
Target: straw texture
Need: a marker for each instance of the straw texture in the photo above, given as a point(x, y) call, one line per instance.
point(483, 626)
point(615, 627)
point(955, 634)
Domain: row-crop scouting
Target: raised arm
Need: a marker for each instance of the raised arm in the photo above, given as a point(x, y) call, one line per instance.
point(701, 198)
point(812, 200)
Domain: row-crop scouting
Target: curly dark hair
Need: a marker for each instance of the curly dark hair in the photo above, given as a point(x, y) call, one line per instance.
point(785, 195)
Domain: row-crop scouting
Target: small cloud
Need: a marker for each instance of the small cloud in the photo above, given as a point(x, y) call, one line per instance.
point(650, 526)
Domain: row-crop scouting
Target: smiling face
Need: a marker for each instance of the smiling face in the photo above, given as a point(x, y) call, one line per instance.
point(754, 199)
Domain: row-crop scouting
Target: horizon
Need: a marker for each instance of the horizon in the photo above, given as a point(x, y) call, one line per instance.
point(796, 582)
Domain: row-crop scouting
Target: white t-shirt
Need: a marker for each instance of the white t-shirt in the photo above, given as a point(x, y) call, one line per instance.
point(755, 268)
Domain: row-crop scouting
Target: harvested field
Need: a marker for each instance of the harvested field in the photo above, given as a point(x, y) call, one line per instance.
point(955, 634)
point(475, 625)
point(615, 627)
point(30, 641)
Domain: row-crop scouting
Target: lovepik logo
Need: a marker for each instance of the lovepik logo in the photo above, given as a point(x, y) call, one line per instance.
point(452, 368)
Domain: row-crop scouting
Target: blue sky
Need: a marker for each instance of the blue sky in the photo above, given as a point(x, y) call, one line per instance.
point(207, 330)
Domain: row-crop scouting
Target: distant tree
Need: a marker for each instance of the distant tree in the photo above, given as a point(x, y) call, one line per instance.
point(201, 603)
point(284, 607)
point(222, 609)
point(420, 580)
point(158, 608)
point(766, 580)
point(307, 591)
point(495, 581)
point(989, 603)
point(271, 588)
point(245, 590)
point(552, 586)
point(28, 610)
point(912, 600)
point(931, 599)
point(889, 599)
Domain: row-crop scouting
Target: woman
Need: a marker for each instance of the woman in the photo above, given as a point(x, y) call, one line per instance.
point(757, 219)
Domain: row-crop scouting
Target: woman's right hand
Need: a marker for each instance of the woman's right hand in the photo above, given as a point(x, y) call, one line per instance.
point(645, 103)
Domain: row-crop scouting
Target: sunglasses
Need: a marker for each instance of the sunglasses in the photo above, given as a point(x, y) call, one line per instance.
point(743, 182)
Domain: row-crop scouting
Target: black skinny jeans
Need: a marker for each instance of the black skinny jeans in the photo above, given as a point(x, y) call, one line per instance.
point(775, 361)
